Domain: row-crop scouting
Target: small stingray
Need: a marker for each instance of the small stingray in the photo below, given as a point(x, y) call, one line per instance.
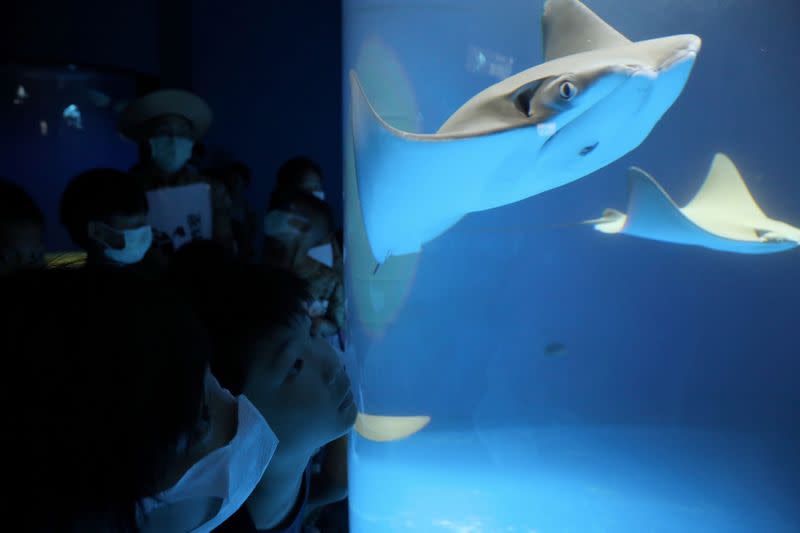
point(722, 215)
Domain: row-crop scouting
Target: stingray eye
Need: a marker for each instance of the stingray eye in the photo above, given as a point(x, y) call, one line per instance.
point(567, 90)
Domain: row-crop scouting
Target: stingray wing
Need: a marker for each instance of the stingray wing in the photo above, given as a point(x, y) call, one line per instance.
point(724, 194)
point(413, 187)
point(569, 27)
point(381, 428)
point(652, 214)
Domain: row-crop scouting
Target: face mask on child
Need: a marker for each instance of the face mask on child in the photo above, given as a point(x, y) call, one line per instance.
point(283, 225)
point(170, 154)
point(137, 242)
point(322, 254)
point(228, 474)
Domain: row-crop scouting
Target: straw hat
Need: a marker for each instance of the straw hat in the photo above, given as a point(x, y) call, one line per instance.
point(165, 102)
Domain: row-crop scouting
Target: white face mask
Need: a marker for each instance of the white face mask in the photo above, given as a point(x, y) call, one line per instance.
point(228, 474)
point(276, 224)
point(170, 153)
point(317, 308)
point(319, 194)
point(322, 254)
point(137, 242)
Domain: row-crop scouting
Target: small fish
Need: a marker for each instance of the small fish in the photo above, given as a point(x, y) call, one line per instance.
point(555, 348)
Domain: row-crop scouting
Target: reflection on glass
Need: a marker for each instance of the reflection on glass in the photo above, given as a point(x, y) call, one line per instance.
point(56, 122)
point(72, 116)
point(21, 95)
point(488, 62)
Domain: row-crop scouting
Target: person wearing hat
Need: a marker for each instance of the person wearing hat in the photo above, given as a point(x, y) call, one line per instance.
point(166, 124)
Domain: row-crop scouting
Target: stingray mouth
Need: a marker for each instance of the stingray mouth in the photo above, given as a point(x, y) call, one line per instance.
point(586, 150)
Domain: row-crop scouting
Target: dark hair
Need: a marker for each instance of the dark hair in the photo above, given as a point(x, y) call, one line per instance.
point(104, 376)
point(98, 194)
point(199, 151)
point(292, 171)
point(238, 304)
point(16, 206)
point(240, 169)
point(225, 173)
point(339, 235)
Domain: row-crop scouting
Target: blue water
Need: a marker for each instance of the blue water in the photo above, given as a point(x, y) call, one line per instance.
point(673, 403)
point(568, 479)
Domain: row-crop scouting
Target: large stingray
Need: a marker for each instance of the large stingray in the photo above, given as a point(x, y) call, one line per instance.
point(722, 215)
point(596, 98)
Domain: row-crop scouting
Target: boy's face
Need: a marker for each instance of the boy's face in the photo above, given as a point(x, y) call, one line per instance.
point(216, 426)
point(316, 229)
point(309, 228)
point(21, 246)
point(171, 141)
point(301, 388)
point(110, 232)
